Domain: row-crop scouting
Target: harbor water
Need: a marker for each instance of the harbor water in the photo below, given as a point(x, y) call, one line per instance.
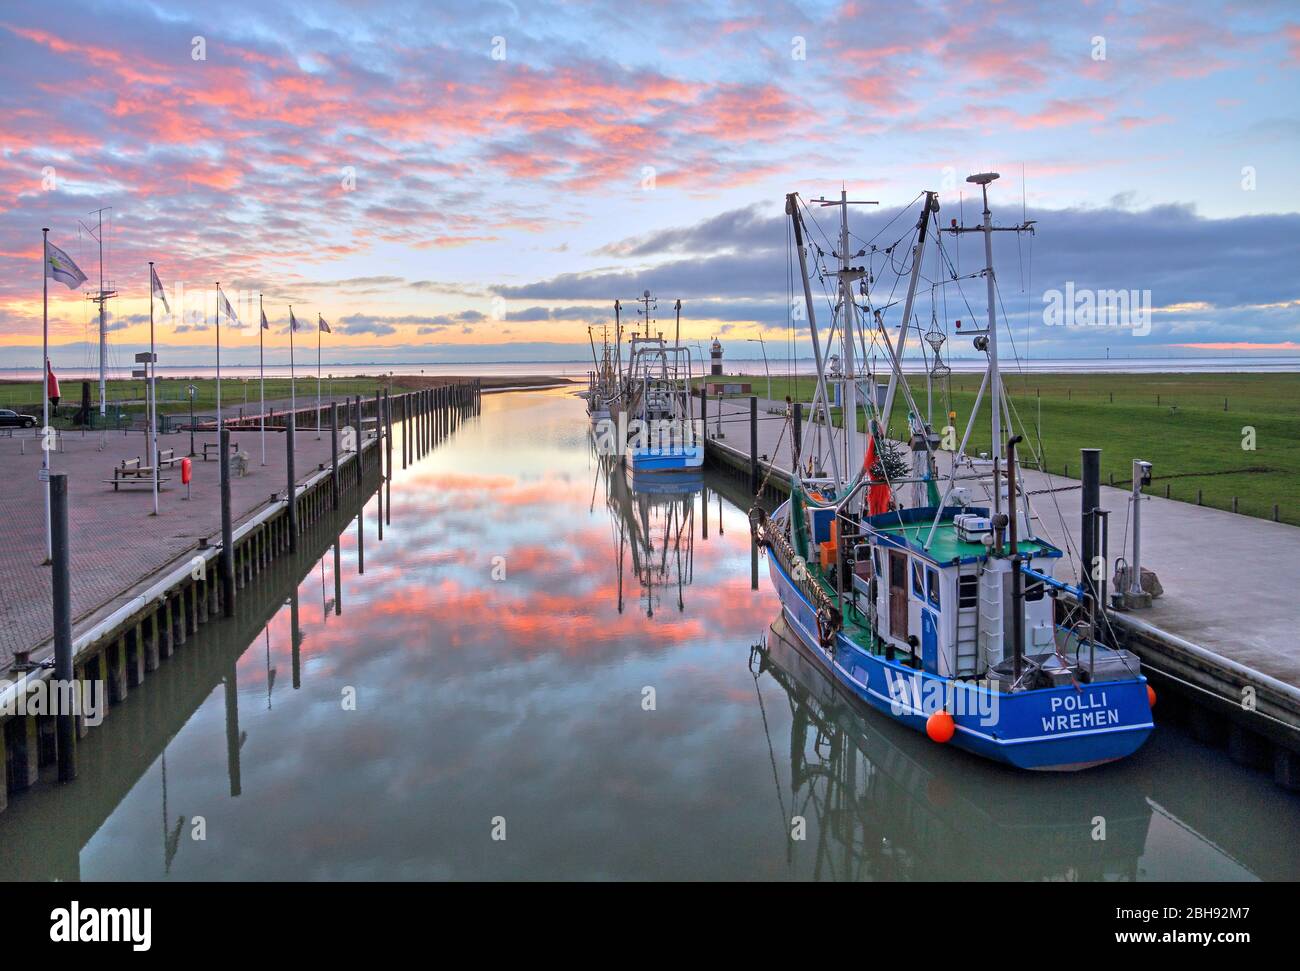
point(548, 672)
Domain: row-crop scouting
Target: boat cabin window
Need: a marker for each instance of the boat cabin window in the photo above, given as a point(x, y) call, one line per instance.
point(1035, 590)
point(918, 590)
point(932, 583)
point(968, 591)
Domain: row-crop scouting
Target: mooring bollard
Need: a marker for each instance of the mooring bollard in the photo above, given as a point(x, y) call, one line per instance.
point(227, 533)
point(334, 453)
point(1090, 500)
point(388, 456)
point(66, 722)
point(290, 433)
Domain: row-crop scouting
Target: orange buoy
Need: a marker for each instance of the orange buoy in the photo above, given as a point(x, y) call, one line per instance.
point(1151, 696)
point(940, 727)
point(187, 471)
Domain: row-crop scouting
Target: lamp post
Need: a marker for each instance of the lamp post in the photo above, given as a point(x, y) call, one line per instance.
point(192, 390)
point(759, 342)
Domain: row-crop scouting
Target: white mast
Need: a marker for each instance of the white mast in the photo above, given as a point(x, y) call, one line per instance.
point(101, 297)
point(987, 341)
point(848, 331)
point(261, 376)
point(853, 446)
point(995, 376)
point(796, 222)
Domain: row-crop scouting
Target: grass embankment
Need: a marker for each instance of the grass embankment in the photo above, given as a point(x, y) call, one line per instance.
point(1178, 422)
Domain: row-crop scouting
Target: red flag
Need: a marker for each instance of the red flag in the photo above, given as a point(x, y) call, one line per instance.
point(878, 492)
point(51, 384)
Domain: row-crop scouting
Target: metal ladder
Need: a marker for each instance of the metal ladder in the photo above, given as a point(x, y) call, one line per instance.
point(967, 633)
point(991, 627)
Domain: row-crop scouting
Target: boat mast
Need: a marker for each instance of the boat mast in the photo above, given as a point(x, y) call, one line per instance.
point(618, 341)
point(853, 446)
point(896, 350)
point(101, 298)
point(986, 341)
point(792, 210)
point(983, 179)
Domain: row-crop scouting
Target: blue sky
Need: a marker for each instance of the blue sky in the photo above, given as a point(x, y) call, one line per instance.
point(485, 179)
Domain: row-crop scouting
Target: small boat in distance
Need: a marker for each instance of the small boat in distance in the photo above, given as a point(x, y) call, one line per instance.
point(602, 382)
point(661, 433)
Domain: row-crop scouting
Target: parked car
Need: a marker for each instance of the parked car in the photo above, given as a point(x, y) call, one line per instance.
point(11, 419)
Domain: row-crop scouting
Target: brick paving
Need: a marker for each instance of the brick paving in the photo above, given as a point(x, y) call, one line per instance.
point(115, 540)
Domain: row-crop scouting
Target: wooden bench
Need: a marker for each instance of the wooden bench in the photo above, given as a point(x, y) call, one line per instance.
point(167, 458)
point(133, 472)
point(214, 448)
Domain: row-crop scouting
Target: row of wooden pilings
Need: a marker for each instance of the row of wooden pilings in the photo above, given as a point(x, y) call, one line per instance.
point(113, 660)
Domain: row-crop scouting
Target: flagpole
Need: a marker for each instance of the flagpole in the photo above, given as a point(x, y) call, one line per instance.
point(217, 316)
point(261, 374)
point(293, 391)
point(45, 386)
point(153, 398)
point(318, 377)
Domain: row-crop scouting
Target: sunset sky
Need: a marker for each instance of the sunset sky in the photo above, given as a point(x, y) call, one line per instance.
point(481, 180)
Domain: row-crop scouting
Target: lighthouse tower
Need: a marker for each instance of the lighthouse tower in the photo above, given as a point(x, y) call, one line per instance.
point(715, 358)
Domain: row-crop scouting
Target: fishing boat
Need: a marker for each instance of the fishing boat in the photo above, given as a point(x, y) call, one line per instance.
point(660, 431)
point(602, 381)
point(946, 615)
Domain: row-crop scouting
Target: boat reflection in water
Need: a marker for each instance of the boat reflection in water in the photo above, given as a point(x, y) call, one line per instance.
point(653, 521)
point(882, 803)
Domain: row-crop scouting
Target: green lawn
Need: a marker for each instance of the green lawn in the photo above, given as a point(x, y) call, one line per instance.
point(174, 398)
point(1176, 421)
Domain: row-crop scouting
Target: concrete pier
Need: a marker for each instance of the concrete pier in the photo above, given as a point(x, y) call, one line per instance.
point(1224, 631)
point(142, 584)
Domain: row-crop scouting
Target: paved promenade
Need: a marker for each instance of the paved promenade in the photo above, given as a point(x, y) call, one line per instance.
point(115, 538)
point(1231, 582)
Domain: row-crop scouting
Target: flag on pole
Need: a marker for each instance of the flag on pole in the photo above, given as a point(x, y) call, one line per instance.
point(60, 266)
point(293, 321)
point(158, 289)
point(229, 311)
point(324, 327)
point(265, 325)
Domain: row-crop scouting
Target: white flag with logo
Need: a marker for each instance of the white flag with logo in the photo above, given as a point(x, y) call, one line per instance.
point(60, 266)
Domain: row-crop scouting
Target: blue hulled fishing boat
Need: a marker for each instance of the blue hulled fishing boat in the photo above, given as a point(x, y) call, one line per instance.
point(944, 615)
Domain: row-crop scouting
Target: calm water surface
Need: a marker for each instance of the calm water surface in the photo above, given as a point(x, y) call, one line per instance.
point(536, 646)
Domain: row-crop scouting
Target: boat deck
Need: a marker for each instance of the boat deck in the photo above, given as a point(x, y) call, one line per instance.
point(947, 546)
